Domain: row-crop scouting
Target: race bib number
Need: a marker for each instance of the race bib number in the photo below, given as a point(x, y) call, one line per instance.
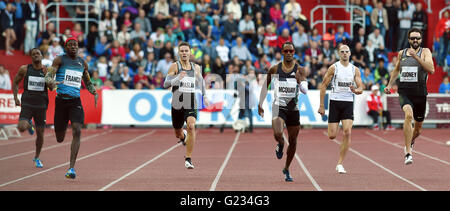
point(343, 84)
point(187, 85)
point(288, 88)
point(72, 78)
point(409, 74)
point(36, 83)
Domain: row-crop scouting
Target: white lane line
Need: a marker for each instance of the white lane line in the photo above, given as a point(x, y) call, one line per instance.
point(401, 147)
point(54, 146)
point(12, 141)
point(431, 140)
point(302, 165)
point(224, 164)
point(79, 159)
point(381, 166)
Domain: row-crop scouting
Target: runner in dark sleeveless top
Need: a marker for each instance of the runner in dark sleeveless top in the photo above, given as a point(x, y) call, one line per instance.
point(413, 66)
point(186, 80)
point(34, 99)
point(290, 80)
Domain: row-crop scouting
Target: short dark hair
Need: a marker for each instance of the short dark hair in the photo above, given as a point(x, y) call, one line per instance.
point(183, 43)
point(38, 50)
point(414, 30)
point(287, 43)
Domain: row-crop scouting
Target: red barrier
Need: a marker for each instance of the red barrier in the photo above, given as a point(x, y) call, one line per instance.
point(9, 114)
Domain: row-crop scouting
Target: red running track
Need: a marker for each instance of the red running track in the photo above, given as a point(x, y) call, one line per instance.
point(150, 159)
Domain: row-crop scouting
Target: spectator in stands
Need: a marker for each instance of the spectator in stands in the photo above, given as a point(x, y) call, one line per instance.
point(328, 52)
point(187, 6)
point(202, 27)
point(202, 5)
point(138, 35)
point(261, 64)
point(146, 25)
point(240, 50)
point(420, 20)
point(162, 8)
point(115, 70)
point(441, 36)
point(20, 24)
point(217, 30)
point(80, 11)
point(405, 16)
point(264, 48)
point(102, 68)
point(31, 13)
point(102, 47)
point(370, 48)
point(341, 35)
point(445, 86)
point(107, 26)
point(223, 51)
point(259, 20)
point(290, 24)
point(360, 57)
point(209, 49)
point(175, 27)
point(7, 23)
point(55, 49)
point(158, 41)
point(136, 57)
point(164, 64)
point(379, 19)
point(285, 37)
point(196, 53)
point(375, 109)
point(126, 77)
point(141, 78)
point(271, 36)
point(276, 14)
point(126, 20)
point(381, 72)
point(48, 34)
point(234, 7)
point(5, 79)
point(361, 37)
point(230, 28)
point(314, 56)
point(218, 67)
point(157, 81)
point(217, 9)
point(247, 28)
point(124, 36)
point(330, 36)
point(117, 50)
point(186, 26)
point(150, 64)
point(206, 65)
point(368, 8)
point(292, 8)
point(315, 36)
point(367, 78)
point(276, 59)
point(377, 38)
point(96, 81)
point(393, 25)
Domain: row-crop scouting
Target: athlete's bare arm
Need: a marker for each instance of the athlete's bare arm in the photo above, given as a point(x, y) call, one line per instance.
point(51, 71)
point(87, 82)
point(17, 79)
point(426, 59)
point(359, 83)
point(264, 89)
point(301, 75)
point(323, 87)
point(394, 74)
point(199, 76)
point(171, 78)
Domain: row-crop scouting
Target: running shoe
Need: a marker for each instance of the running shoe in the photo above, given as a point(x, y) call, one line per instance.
point(71, 173)
point(279, 151)
point(183, 141)
point(340, 169)
point(31, 129)
point(408, 159)
point(288, 177)
point(38, 163)
point(188, 163)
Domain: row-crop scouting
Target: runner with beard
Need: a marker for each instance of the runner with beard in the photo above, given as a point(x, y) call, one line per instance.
point(413, 66)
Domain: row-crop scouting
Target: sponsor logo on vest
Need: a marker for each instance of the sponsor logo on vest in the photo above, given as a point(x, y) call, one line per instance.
point(345, 84)
point(73, 79)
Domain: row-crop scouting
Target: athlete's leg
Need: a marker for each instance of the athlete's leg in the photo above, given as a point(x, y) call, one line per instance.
point(417, 131)
point(190, 122)
point(347, 125)
point(23, 125)
point(292, 134)
point(407, 126)
point(278, 127)
point(76, 132)
point(39, 141)
point(333, 129)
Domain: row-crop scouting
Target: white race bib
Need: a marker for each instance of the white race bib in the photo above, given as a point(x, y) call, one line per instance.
point(73, 78)
point(343, 84)
point(408, 74)
point(187, 85)
point(36, 83)
point(288, 88)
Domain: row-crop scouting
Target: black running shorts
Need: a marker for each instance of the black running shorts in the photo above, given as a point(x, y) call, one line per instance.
point(418, 104)
point(179, 116)
point(340, 110)
point(65, 110)
point(290, 117)
point(38, 114)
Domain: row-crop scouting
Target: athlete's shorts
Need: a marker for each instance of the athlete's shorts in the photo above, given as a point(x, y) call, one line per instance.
point(340, 110)
point(65, 110)
point(38, 114)
point(418, 104)
point(290, 117)
point(179, 116)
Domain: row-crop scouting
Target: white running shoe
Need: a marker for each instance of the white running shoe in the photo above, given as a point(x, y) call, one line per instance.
point(183, 141)
point(408, 159)
point(340, 169)
point(188, 164)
